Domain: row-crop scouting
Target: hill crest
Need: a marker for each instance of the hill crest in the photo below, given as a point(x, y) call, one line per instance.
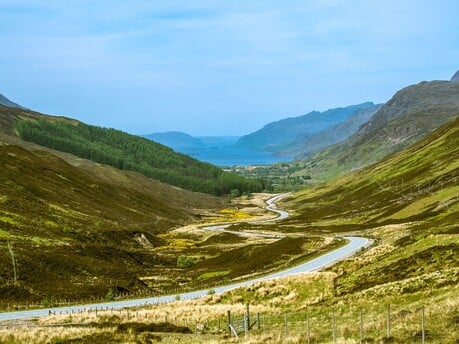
point(410, 115)
point(6, 102)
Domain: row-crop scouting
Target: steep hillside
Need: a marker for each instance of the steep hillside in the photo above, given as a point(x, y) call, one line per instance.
point(306, 144)
point(275, 136)
point(409, 116)
point(121, 150)
point(419, 183)
point(409, 203)
point(75, 234)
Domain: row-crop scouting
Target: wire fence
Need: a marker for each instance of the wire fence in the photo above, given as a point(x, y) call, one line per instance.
point(379, 323)
point(52, 302)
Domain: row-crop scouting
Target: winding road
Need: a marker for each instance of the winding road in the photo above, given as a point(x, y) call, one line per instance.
point(330, 258)
point(271, 206)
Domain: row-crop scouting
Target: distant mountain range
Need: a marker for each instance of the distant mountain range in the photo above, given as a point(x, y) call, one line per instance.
point(285, 138)
point(284, 134)
point(176, 140)
point(306, 144)
point(183, 142)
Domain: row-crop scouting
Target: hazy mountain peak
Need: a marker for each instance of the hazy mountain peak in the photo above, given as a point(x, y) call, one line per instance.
point(455, 77)
point(277, 135)
point(5, 101)
point(175, 139)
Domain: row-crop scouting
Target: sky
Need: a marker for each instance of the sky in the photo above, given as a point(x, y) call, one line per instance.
point(212, 67)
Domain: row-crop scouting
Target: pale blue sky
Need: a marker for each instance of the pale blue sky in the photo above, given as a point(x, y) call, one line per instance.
point(210, 67)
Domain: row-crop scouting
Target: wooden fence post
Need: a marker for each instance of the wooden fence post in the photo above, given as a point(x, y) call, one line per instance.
point(258, 321)
point(361, 326)
point(286, 324)
point(308, 330)
point(246, 325)
point(422, 326)
point(388, 321)
point(247, 312)
point(333, 327)
point(229, 322)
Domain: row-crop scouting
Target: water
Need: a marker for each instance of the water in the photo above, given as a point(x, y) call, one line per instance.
point(232, 156)
point(217, 150)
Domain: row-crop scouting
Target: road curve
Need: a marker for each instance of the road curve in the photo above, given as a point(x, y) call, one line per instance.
point(271, 206)
point(355, 244)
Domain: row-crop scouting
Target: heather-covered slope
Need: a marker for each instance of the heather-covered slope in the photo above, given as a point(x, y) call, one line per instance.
point(409, 204)
point(418, 183)
point(75, 234)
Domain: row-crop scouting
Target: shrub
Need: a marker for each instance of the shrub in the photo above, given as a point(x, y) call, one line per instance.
point(184, 261)
point(110, 295)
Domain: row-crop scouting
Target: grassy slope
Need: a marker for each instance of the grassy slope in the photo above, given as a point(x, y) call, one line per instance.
point(418, 184)
point(409, 203)
point(75, 233)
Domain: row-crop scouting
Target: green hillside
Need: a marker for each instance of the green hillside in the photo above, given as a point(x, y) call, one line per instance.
point(124, 151)
point(415, 184)
point(409, 203)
